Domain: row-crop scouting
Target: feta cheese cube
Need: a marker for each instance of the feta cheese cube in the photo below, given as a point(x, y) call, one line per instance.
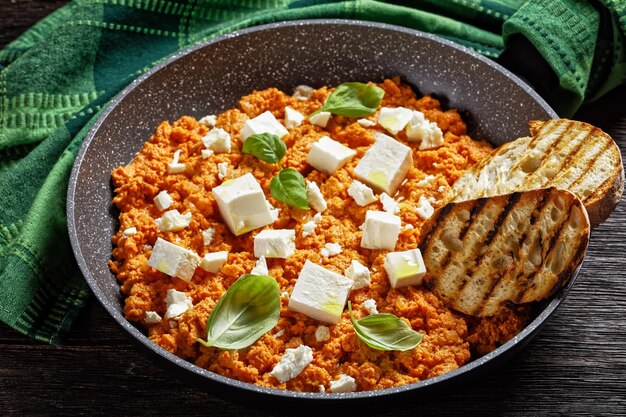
point(209, 120)
point(152, 317)
point(405, 268)
point(331, 249)
point(322, 334)
point(129, 232)
point(293, 118)
point(260, 268)
point(242, 204)
point(394, 119)
point(389, 204)
point(385, 164)
point(217, 140)
point(320, 119)
point(426, 181)
point(177, 303)
point(359, 274)
point(315, 197)
point(345, 383)
point(263, 123)
point(175, 167)
point(361, 193)
point(424, 209)
point(222, 170)
point(163, 200)
point(173, 260)
point(213, 261)
point(279, 333)
point(328, 155)
point(206, 153)
point(172, 221)
point(380, 230)
point(207, 236)
point(366, 123)
point(370, 306)
point(420, 129)
point(319, 293)
point(303, 92)
point(292, 363)
point(280, 243)
point(309, 227)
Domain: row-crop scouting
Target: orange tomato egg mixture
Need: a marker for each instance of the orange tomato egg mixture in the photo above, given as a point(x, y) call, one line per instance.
point(328, 205)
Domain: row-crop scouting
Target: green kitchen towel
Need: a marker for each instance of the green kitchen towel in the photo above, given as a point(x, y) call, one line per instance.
point(56, 77)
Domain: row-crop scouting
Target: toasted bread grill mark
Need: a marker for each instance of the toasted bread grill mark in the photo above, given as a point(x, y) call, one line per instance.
point(518, 247)
point(552, 148)
point(433, 224)
point(511, 200)
point(564, 162)
point(589, 165)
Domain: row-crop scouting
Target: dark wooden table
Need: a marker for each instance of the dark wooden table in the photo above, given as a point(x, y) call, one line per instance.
point(576, 366)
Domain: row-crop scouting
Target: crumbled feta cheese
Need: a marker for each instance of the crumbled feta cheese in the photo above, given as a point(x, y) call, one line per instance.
point(217, 140)
point(322, 389)
point(319, 293)
point(242, 204)
point(345, 383)
point(152, 317)
point(163, 200)
point(389, 204)
point(206, 153)
point(424, 209)
point(320, 119)
point(427, 132)
point(361, 193)
point(370, 306)
point(177, 302)
point(213, 261)
point(279, 333)
point(405, 268)
point(309, 227)
point(303, 92)
point(207, 236)
point(441, 188)
point(260, 268)
point(172, 221)
point(279, 243)
point(129, 232)
point(175, 167)
point(293, 118)
point(366, 122)
point(331, 249)
point(322, 334)
point(394, 119)
point(284, 296)
point(173, 260)
point(380, 230)
point(359, 274)
point(328, 155)
point(427, 180)
point(315, 197)
point(209, 120)
point(222, 170)
point(292, 363)
point(263, 123)
point(408, 226)
point(385, 164)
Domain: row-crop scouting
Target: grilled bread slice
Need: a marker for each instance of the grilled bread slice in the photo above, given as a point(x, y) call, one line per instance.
point(521, 247)
point(561, 153)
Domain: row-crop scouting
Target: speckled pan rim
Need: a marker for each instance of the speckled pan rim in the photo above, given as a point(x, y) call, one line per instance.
point(140, 337)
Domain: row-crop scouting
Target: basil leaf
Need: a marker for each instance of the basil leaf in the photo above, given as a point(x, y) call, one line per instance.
point(288, 186)
point(248, 309)
point(265, 146)
point(385, 331)
point(353, 100)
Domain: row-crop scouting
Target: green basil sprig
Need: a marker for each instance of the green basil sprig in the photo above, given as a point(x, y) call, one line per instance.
point(385, 331)
point(353, 100)
point(248, 309)
point(288, 185)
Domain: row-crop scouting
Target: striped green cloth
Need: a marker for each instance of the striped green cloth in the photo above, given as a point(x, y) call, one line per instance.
point(56, 77)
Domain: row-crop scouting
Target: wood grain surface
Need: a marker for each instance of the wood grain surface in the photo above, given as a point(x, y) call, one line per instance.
point(576, 366)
